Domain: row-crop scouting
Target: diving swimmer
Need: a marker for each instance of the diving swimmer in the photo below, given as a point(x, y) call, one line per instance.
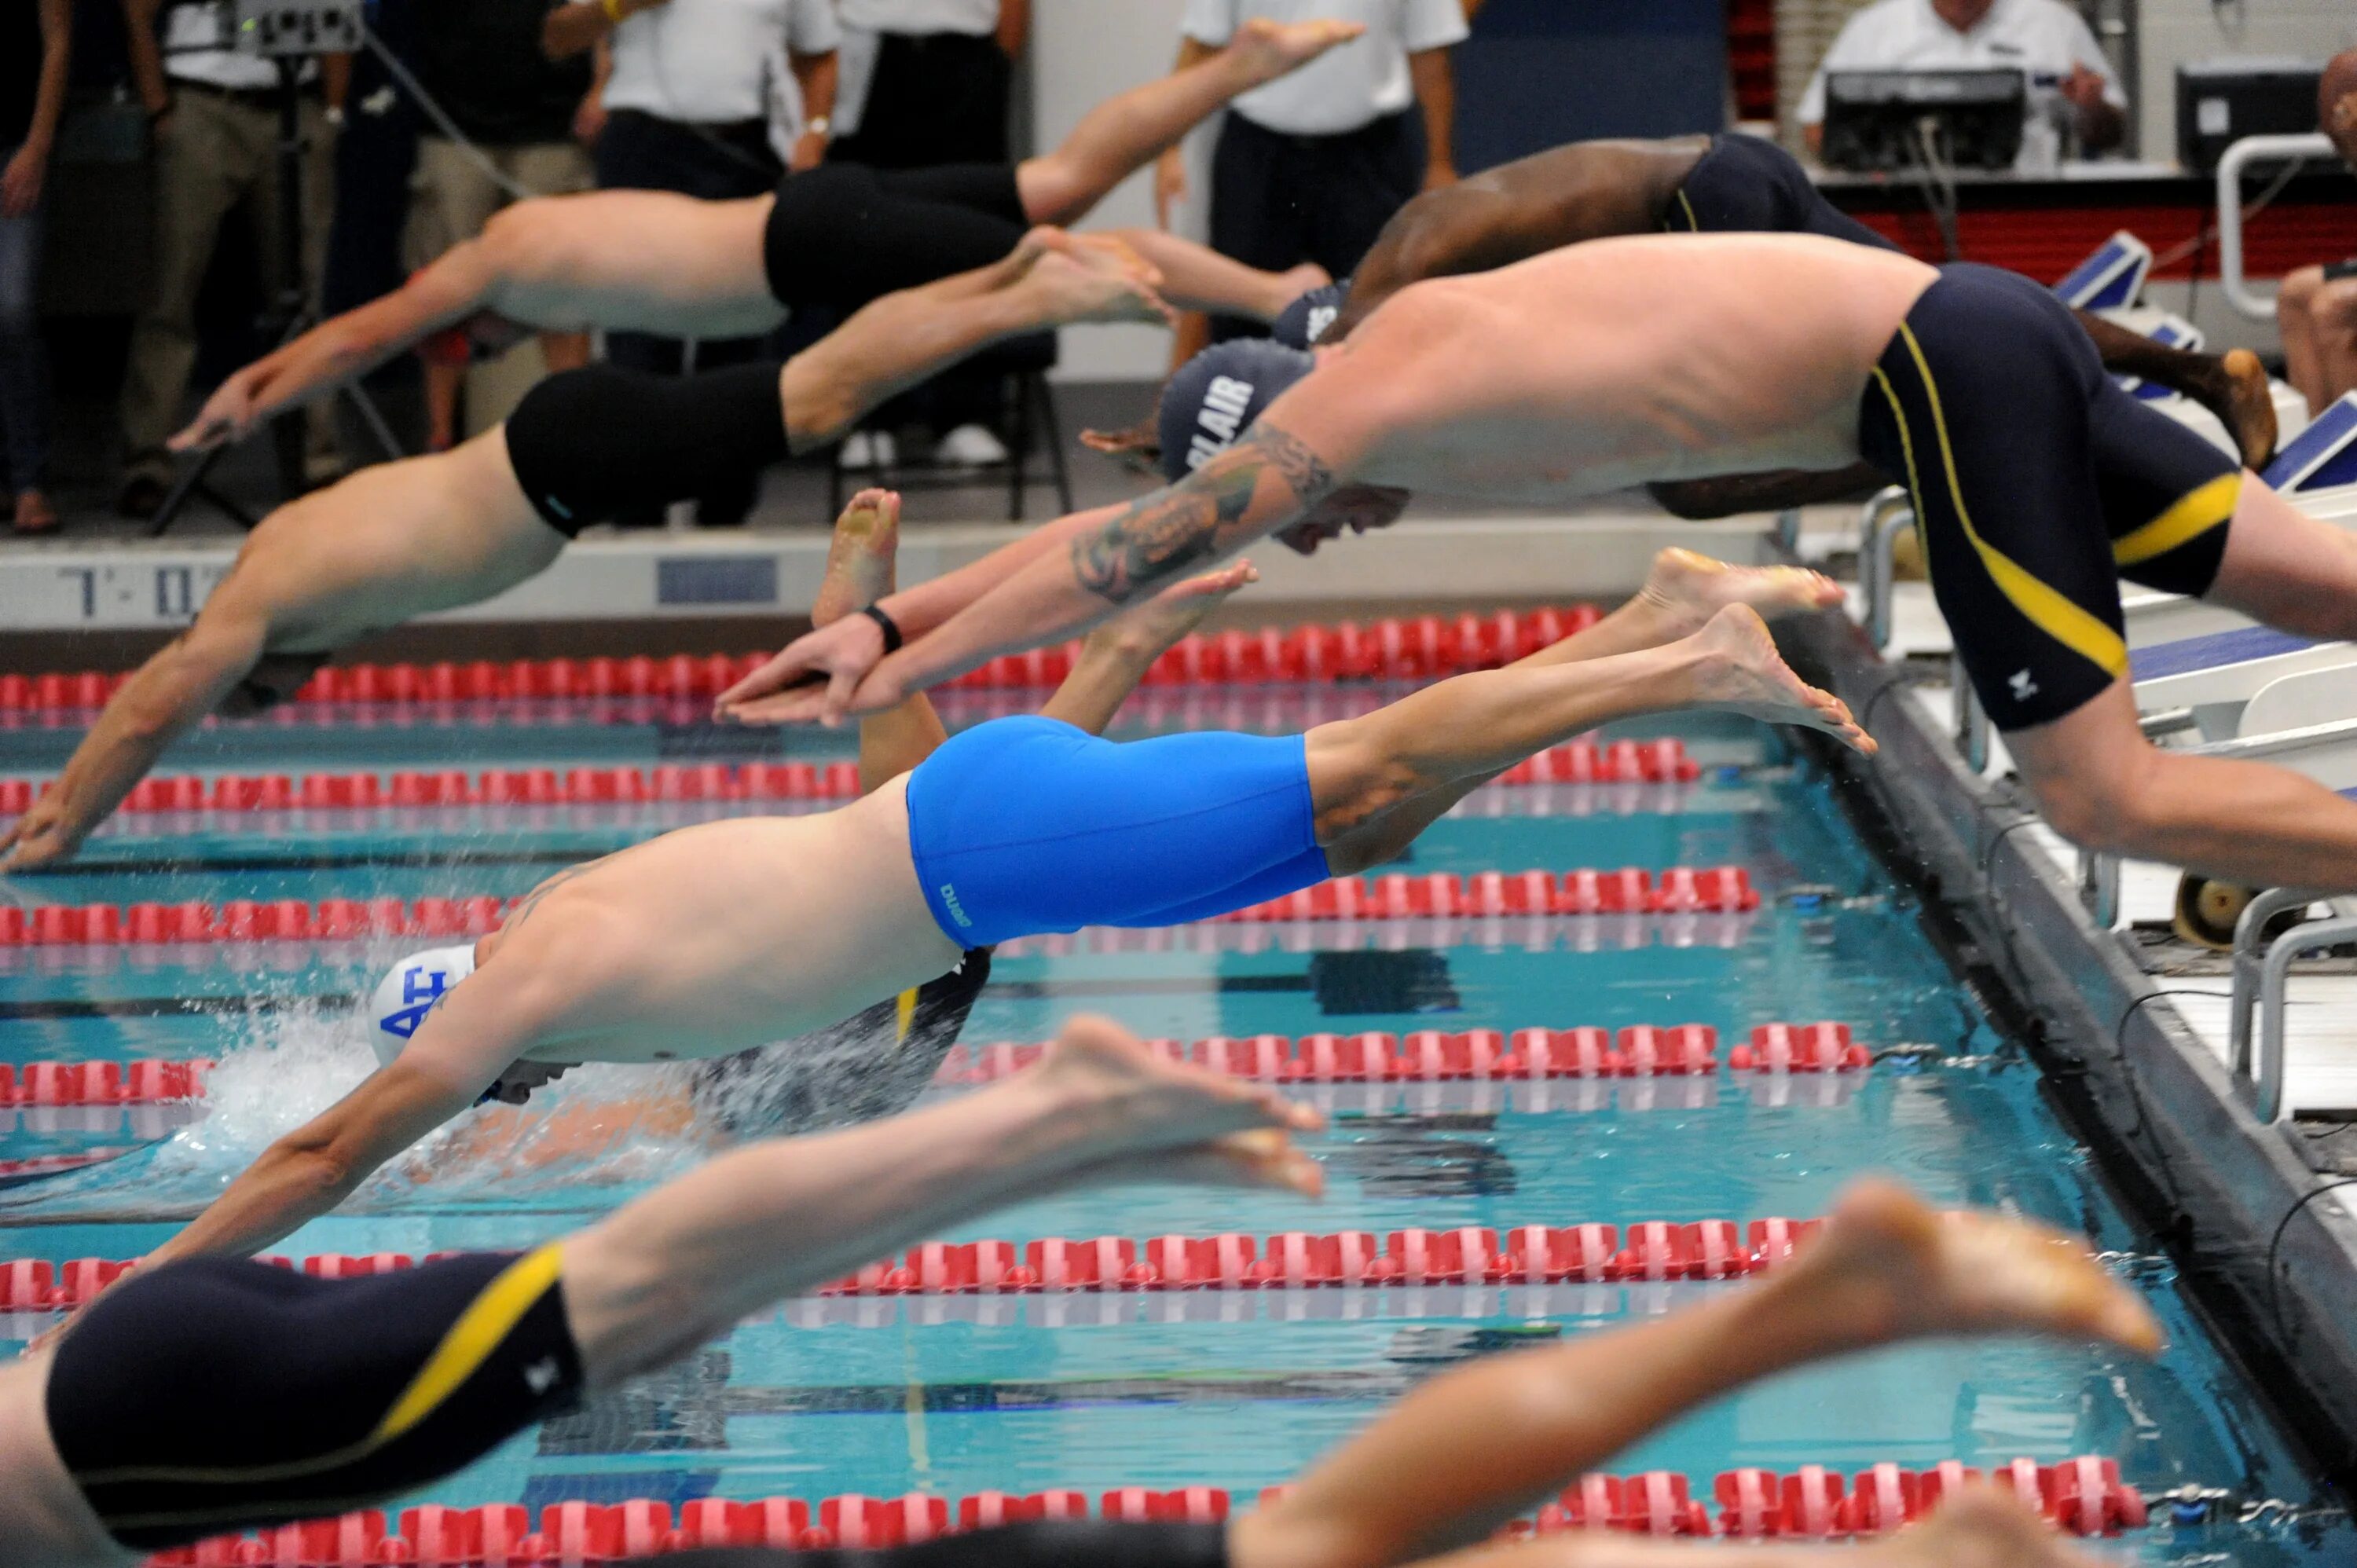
point(2038, 484)
point(215, 1393)
point(405, 539)
point(327, 1360)
point(839, 235)
point(718, 939)
point(1730, 183)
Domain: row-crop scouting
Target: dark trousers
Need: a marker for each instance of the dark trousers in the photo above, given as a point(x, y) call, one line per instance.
point(937, 98)
point(1279, 201)
point(714, 162)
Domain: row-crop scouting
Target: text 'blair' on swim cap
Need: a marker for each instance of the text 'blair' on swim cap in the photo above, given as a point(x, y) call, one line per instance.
point(1301, 324)
point(414, 987)
point(1217, 396)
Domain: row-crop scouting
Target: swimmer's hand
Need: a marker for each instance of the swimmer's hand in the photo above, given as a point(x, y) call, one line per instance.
point(230, 413)
point(40, 837)
point(788, 689)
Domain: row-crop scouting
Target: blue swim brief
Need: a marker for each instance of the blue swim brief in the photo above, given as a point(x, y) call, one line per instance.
point(1026, 825)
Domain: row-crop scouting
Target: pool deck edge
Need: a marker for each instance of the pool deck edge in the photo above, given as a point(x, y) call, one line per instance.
point(2161, 1112)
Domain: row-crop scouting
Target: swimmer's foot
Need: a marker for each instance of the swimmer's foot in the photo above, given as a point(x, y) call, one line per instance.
point(2246, 403)
point(1143, 632)
point(1061, 290)
point(859, 559)
point(1684, 589)
point(1267, 50)
point(1737, 670)
point(1888, 1268)
point(1979, 1527)
point(1143, 1107)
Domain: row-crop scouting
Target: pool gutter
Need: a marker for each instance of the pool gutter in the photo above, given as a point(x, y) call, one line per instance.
point(2163, 1116)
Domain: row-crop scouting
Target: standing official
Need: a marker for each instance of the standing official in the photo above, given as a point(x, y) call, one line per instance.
point(1311, 168)
point(937, 90)
point(214, 114)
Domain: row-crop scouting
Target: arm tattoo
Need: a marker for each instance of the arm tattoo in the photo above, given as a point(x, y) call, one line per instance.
point(1198, 519)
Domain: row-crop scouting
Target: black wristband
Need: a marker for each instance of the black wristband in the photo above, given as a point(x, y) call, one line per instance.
point(886, 624)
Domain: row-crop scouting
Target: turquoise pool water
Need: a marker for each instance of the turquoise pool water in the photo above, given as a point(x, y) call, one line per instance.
point(1234, 1390)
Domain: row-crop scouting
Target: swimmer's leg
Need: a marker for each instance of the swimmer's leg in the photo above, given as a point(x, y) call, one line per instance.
point(1125, 134)
point(1475, 1448)
point(1681, 594)
point(1115, 656)
point(860, 562)
point(2105, 787)
point(2233, 385)
point(754, 1226)
point(2286, 568)
point(1482, 724)
point(1197, 277)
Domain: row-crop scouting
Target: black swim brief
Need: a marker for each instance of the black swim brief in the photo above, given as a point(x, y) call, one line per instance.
point(2335, 271)
point(2037, 484)
point(843, 234)
point(218, 1394)
point(1036, 1543)
point(591, 444)
point(872, 1066)
point(1746, 186)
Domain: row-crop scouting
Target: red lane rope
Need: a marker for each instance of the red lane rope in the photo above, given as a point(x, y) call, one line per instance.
point(1391, 647)
point(2083, 1495)
point(1527, 1254)
point(1426, 1056)
point(1393, 896)
point(1581, 762)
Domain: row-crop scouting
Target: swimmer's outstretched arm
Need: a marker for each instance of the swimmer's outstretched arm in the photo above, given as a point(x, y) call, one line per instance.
point(761, 1223)
point(1059, 580)
point(347, 347)
point(188, 678)
point(1473, 1448)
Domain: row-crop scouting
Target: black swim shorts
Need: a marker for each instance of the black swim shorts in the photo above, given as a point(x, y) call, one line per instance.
point(2037, 484)
point(843, 234)
point(588, 445)
point(872, 1066)
point(218, 1394)
point(1746, 186)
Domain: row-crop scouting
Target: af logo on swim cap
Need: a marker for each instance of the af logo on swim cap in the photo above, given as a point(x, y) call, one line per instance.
point(1226, 402)
point(421, 989)
point(411, 990)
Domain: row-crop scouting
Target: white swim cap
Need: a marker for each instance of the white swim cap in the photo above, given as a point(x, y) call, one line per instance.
point(414, 987)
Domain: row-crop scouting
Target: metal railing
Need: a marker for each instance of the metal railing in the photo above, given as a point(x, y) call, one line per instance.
point(2238, 157)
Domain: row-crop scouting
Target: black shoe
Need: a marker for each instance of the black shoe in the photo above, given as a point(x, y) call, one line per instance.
point(142, 496)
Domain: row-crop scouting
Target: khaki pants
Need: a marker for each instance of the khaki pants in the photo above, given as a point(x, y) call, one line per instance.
point(213, 154)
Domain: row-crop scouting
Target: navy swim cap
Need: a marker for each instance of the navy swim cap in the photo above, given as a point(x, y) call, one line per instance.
point(1305, 320)
point(1216, 395)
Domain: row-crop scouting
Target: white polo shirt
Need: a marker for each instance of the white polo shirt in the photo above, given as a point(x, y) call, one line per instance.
point(978, 18)
point(196, 48)
point(712, 62)
point(1344, 89)
point(2043, 37)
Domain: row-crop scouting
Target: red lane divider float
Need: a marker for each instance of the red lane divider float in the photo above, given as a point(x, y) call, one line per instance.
point(1427, 1056)
point(1582, 762)
point(1391, 896)
point(1393, 647)
point(2083, 1495)
point(1528, 1255)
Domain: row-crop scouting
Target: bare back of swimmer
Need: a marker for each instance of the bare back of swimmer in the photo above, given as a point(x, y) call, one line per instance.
point(678, 267)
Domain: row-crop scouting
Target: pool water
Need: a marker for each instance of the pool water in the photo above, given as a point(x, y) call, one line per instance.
point(1230, 1388)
